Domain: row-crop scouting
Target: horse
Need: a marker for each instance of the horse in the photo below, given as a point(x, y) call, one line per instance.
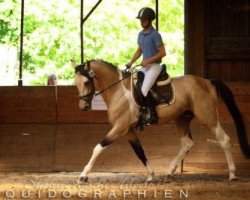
point(195, 97)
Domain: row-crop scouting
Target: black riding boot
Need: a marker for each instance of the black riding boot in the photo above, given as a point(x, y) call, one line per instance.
point(151, 104)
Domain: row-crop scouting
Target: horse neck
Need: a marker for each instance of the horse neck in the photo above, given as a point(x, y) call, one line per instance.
point(105, 77)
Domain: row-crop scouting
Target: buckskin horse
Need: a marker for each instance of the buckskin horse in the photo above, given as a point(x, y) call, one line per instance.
point(193, 95)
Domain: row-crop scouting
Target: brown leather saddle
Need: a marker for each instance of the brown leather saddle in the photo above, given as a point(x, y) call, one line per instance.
point(162, 90)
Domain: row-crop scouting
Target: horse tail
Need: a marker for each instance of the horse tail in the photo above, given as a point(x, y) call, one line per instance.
point(228, 98)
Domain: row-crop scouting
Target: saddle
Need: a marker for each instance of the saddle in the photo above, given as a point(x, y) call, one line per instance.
point(162, 90)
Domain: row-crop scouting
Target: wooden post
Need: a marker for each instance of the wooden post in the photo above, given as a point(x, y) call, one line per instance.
point(82, 21)
point(194, 38)
point(20, 81)
point(182, 166)
point(157, 14)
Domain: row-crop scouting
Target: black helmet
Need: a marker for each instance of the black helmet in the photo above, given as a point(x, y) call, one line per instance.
point(146, 13)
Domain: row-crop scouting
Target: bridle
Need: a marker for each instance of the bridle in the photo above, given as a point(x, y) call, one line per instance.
point(90, 75)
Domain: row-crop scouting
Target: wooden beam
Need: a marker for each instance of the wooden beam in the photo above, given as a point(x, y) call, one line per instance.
point(194, 37)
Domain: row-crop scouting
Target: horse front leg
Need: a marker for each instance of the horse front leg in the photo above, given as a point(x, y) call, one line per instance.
point(99, 148)
point(137, 147)
point(96, 152)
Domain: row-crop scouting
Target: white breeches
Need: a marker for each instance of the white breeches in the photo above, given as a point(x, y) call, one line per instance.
point(151, 73)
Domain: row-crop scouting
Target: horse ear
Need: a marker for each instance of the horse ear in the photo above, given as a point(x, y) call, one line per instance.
point(73, 63)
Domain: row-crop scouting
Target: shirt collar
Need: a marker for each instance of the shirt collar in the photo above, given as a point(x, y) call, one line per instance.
point(150, 31)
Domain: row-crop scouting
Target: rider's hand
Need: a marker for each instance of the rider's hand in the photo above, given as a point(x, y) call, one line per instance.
point(128, 65)
point(145, 63)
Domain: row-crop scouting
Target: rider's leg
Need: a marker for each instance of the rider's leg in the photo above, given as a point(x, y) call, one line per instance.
point(141, 98)
point(151, 104)
point(151, 74)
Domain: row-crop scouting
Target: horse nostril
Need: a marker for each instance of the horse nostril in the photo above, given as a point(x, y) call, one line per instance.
point(87, 108)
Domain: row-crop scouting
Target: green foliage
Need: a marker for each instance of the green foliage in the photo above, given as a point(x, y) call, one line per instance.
point(51, 34)
point(9, 27)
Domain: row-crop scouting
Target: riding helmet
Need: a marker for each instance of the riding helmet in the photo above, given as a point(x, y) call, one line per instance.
point(146, 13)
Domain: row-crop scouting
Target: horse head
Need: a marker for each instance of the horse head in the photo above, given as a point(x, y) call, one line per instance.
point(84, 83)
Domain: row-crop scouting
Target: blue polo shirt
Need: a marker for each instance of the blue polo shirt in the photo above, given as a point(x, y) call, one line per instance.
point(149, 42)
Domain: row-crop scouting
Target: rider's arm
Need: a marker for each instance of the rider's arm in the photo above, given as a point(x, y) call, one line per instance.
point(137, 55)
point(161, 53)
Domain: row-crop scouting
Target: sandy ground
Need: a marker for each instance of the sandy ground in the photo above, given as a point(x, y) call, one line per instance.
point(122, 186)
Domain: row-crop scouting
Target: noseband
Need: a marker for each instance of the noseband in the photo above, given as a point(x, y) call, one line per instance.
point(89, 74)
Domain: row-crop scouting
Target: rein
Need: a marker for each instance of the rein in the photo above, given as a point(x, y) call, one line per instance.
point(95, 94)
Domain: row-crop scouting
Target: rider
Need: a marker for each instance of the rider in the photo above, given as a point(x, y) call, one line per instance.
point(150, 45)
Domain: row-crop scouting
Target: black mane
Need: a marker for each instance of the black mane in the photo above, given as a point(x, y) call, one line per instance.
point(80, 68)
point(108, 63)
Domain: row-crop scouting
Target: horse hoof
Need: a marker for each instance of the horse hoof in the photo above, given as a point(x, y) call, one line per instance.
point(149, 180)
point(168, 178)
point(82, 179)
point(233, 178)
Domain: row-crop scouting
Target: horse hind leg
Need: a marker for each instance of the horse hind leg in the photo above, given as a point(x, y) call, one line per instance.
point(183, 125)
point(207, 113)
point(224, 141)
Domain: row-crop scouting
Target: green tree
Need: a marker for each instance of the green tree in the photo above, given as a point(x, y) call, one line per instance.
point(51, 34)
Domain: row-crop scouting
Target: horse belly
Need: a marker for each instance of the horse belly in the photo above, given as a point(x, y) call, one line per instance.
point(169, 113)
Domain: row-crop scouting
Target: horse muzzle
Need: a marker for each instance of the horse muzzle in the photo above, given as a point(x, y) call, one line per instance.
point(85, 106)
